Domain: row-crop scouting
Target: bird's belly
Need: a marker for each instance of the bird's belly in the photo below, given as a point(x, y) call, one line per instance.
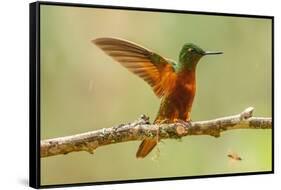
point(177, 104)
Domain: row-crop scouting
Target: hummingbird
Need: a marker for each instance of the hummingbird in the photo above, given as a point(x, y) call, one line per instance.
point(173, 82)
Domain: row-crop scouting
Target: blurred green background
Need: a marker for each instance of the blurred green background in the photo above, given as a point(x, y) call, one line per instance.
point(82, 89)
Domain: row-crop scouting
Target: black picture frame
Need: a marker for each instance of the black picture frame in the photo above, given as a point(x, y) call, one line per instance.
point(34, 92)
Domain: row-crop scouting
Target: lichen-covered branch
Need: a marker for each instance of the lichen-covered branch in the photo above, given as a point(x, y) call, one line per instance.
point(141, 129)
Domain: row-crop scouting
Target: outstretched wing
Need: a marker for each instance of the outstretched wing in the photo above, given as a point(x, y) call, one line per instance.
point(157, 71)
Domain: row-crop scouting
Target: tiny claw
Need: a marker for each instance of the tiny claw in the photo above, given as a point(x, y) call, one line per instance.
point(164, 121)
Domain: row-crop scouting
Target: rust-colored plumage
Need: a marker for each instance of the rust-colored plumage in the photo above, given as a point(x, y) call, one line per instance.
point(173, 83)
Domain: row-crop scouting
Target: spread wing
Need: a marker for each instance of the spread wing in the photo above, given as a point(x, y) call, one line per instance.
point(157, 71)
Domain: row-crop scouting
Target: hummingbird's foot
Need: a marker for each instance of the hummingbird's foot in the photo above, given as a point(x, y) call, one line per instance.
point(164, 121)
point(184, 123)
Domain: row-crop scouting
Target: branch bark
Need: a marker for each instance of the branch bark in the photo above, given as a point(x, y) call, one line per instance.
point(141, 128)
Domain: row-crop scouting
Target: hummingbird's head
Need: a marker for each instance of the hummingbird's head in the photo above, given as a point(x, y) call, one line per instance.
point(191, 54)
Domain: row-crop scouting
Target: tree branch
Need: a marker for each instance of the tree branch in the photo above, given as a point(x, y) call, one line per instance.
point(141, 128)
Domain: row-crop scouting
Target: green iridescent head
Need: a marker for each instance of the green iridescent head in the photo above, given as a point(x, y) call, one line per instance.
point(190, 55)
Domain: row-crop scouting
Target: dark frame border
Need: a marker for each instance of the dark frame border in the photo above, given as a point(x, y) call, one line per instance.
point(34, 92)
point(34, 95)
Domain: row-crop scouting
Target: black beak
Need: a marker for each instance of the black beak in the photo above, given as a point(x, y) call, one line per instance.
point(212, 52)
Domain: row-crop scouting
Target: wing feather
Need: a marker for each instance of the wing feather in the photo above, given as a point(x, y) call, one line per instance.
point(157, 71)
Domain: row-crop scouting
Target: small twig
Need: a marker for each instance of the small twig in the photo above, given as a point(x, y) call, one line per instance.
point(141, 129)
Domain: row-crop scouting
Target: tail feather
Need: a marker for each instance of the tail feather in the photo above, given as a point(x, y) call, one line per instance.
point(146, 147)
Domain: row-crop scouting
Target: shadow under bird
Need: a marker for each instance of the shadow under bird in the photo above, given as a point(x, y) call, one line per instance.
point(174, 83)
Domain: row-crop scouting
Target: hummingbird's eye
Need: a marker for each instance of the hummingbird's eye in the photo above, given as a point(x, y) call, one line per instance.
point(190, 49)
